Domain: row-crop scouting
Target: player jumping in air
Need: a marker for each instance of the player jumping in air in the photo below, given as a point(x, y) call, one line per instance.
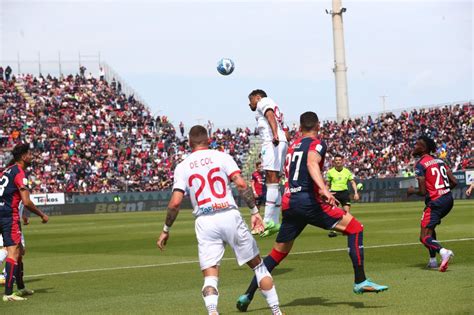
point(271, 129)
point(205, 174)
point(13, 189)
point(308, 201)
point(435, 182)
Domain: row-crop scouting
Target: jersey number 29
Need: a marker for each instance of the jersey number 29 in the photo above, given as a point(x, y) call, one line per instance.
point(442, 179)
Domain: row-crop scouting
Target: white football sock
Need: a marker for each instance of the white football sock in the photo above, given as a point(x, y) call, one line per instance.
point(272, 198)
point(271, 297)
point(211, 300)
point(3, 254)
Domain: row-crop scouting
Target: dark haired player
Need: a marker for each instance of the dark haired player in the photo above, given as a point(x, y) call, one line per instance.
point(13, 190)
point(435, 182)
point(337, 178)
point(308, 201)
point(271, 128)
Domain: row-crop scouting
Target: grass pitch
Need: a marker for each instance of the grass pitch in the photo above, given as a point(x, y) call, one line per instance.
point(109, 264)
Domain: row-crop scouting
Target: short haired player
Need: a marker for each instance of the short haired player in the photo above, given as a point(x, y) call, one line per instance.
point(205, 174)
point(338, 177)
point(435, 181)
point(13, 190)
point(308, 201)
point(275, 143)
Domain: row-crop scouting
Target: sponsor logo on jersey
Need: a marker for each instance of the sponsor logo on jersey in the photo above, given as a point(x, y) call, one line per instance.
point(215, 207)
point(295, 189)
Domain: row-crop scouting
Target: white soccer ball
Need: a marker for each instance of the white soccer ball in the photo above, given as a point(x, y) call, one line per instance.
point(225, 66)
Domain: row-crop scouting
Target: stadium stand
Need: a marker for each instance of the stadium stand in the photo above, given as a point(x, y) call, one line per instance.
point(90, 137)
point(380, 147)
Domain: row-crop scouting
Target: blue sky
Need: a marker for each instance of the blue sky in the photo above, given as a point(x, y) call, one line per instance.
point(414, 52)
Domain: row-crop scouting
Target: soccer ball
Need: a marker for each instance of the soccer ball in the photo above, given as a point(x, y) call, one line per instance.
point(225, 66)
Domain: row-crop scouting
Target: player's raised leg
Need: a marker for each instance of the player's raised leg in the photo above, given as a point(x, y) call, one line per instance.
point(428, 238)
point(265, 282)
point(355, 234)
point(276, 255)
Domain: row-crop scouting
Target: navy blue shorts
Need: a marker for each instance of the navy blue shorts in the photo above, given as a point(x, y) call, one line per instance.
point(296, 218)
point(436, 210)
point(11, 231)
point(260, 200)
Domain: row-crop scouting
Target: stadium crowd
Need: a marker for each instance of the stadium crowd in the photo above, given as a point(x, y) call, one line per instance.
point(90, 137)
point(380, 147)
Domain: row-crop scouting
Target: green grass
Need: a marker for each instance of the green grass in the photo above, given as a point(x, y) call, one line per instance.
point(307, 283)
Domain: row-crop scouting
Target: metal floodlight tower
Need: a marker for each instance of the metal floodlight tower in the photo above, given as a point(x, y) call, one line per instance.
point(340, 68)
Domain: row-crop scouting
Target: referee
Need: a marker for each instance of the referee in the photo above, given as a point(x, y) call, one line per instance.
point(338, 177)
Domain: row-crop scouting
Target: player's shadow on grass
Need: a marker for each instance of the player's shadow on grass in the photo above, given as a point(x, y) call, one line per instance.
point(319, 301)
point(422, 266)
point(43, 290)
point(32, 280)
point(280, 271)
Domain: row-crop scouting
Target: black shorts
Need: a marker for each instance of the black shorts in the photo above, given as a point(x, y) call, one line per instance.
point(343, 197)
point(296, 218)
point(436, 210)
point(260, 200)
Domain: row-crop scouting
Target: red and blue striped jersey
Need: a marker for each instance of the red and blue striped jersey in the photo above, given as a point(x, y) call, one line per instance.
point(436, 177)
point(299, 186)
point(11, 181)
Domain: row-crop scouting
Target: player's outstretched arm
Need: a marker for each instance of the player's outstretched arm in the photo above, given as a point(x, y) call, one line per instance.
point(25, 198)
point(246, 193)
point(173, 210)
point(315, 172)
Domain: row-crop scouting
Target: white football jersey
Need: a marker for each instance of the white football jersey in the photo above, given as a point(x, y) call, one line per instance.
point(205, 175)
point(264, 128)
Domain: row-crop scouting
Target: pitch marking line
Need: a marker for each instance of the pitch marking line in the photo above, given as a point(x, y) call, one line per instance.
point(197, 261)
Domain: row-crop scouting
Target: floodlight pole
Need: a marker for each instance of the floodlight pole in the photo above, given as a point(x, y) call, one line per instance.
point(340, 69)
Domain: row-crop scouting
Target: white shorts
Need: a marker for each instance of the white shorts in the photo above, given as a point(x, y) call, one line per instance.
point(214, 231)
point(273, 157)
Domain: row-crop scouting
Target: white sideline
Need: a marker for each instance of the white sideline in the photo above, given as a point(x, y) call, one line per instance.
point(197, 261)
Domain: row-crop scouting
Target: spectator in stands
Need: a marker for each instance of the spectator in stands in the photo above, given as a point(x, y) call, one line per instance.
point(1, 73)
point(102, 74)
point(181, 129)
point(209, 127)
point(88, 137)
point(8, 72)
point(82, 70)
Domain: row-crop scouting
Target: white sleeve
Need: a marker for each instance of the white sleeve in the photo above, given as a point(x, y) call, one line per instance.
point(266, 104)
point(230, 166)
point(179, 179)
